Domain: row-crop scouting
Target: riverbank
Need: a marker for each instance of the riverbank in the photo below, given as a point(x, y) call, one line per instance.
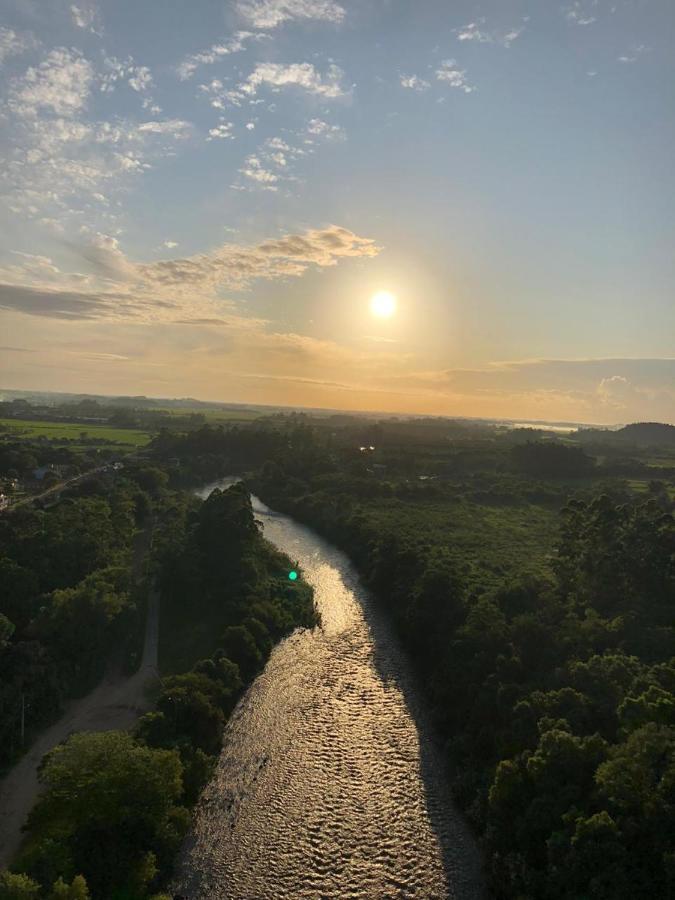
point(330, 782)
point(213, 567)
point(114, 704)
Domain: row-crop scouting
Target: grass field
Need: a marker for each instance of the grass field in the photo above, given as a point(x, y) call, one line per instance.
point(214, 416)
point(74, 431)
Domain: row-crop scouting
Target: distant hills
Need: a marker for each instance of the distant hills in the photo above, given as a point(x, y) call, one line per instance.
point(651, 434)
point(637, 433)
point(648, 433)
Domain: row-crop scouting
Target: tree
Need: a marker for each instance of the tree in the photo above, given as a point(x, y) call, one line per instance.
point(76, 890)
point(240, 646)
point(6, 630)
point(151, 479)
point(18, 887)
point(18, 591)
point(108, 804)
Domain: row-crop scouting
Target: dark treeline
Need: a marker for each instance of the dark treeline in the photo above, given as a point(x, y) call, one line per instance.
point(122, 412)
point(116, 806)
point(212, 451)
point(67, 597)
point(554, 694)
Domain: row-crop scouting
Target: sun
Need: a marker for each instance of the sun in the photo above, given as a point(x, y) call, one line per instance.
point(383, 304)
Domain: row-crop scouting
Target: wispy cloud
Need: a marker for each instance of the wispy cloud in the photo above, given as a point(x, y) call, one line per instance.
point(86, 15)
point(449, 73)
point(582, 13)
point(274, 161)
point(115, 287)
point(318, 128)
point(276, 77)
point(13, 43)
point(414, 83)
point(221, 132)
point(57, 159)
point(235, 44)
point(60, 84)
point(254, 170)
point(268, 14)
point(299, 75)
point(633, 55)
point(126, 71)
point(177, 128)
point(478, 31)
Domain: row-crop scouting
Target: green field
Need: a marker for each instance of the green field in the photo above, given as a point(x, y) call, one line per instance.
point(74, 431)
point(212, 416)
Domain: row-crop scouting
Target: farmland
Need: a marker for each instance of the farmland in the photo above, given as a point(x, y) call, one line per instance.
point(76, 432)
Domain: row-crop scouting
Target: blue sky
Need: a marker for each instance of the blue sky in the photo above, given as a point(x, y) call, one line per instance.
point(201, 198)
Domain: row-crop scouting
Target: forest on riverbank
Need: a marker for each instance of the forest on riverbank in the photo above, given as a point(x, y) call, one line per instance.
point(531, 579)
point(548, 658)
point(115, 806)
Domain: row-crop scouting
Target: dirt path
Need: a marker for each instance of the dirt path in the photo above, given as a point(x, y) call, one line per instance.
point(115, 704)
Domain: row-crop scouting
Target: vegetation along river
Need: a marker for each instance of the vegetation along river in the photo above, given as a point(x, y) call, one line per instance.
point(329, 784)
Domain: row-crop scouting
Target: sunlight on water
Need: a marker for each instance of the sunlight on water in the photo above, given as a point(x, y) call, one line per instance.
point(328, 785)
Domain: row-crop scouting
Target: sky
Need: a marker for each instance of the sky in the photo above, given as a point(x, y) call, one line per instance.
point(200, 199)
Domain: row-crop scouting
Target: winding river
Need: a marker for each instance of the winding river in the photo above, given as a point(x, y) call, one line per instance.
point(329, 784)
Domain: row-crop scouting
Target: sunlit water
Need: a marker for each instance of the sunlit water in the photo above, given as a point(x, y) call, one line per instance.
point(329, 784)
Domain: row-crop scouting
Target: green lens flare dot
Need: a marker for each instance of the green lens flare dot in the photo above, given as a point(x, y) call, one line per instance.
point(292, 575)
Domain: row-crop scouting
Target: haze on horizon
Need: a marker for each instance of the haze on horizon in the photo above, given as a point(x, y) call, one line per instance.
point(455, 209)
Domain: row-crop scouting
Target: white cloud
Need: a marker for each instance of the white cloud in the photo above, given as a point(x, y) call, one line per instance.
point(177, 128)
point(57, 162)
point(277, 143)
point(414, 83)
point(86, 16)
point(169, 244)
point(207, 57)
point(616, 391)
point(254, 170)
point(250, 126)
point(141, 79)
point(633, 55)
point(450, 73)
point(164, 290)
point(319, 128)
point(268, 14)
point(222, 131)
point(475, 31)
point(138, 78)
point(60, 84)
point(302, 75)
point(580, 13)
point(13, 44)
point(274, 160)
point(221, 96)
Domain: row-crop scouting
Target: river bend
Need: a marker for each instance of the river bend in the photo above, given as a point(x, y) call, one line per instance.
point(329, 784)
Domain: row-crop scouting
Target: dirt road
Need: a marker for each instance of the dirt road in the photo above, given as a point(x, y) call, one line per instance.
point(115, 704)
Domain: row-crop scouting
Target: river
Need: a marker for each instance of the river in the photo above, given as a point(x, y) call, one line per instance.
point(329, 784)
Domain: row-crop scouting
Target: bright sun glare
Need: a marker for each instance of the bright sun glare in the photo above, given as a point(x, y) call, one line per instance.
point(383, 304)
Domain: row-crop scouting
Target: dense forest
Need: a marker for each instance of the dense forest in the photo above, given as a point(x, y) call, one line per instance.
point(115, 806)
point(531, 580)
point(67, 596)
point(554, 691)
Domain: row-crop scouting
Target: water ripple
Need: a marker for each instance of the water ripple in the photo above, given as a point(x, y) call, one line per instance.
point(329, 784)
